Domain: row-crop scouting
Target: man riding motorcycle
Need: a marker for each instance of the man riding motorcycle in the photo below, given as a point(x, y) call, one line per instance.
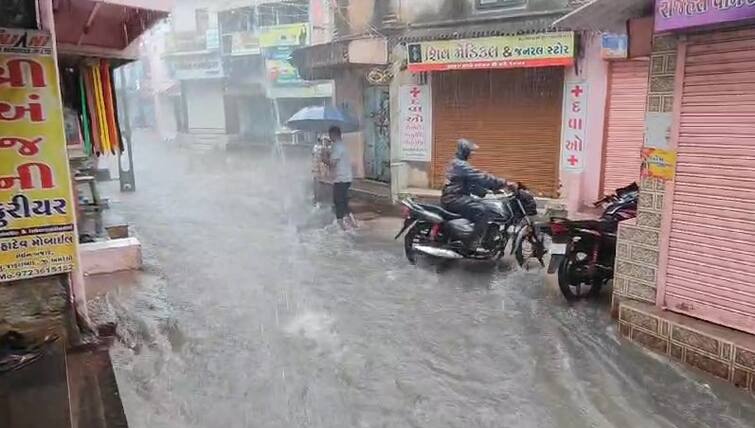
point(462, 181)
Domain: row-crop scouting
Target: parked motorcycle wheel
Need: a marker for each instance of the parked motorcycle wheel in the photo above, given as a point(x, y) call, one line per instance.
point(411, 239)
point(574, 280)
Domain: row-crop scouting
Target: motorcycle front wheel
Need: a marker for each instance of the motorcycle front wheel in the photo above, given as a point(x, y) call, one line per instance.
point(574, 280)
point(531, 247)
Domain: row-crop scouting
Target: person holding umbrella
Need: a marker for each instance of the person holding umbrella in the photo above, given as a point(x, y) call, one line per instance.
point(334, 121)
point(339, 162)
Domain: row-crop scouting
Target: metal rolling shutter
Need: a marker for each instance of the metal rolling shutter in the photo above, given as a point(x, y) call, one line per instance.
point(711, 266)
point(625, 128)
point(515, 117)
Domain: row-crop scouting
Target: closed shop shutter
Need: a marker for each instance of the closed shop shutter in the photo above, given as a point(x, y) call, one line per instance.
point(625, 127)
point(711, 267)
point(513, 115)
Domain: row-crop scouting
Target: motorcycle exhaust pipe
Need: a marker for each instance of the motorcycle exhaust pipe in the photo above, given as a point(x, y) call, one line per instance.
point(438, 252)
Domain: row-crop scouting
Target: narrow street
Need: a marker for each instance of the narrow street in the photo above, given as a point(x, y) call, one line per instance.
point(252, 311)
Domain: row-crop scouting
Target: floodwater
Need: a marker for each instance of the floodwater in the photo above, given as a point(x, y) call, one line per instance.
point(252, 312)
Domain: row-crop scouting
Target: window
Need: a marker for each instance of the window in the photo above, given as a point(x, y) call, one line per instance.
point(237, 20)
point(202, 20)
point(266, 15)
point(498, 4)
point(18, 14)
point(293, 12)
point(289, 12)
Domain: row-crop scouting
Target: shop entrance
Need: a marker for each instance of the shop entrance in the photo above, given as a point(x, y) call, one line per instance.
point(513, 115)
point(709, 266)
point(377, 152)
point(625, 123)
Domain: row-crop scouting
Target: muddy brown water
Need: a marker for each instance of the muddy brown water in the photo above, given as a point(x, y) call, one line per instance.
point(253, 312)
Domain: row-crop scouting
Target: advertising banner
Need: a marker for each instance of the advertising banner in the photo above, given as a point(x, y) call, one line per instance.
point(37, 235)
point(280, 71)
point(679, 14)
point(285, 35)
point(658, 163)
point(531, 50)
point(574, 137)
point(196, 66)
point(416, 123)
point(245, 44)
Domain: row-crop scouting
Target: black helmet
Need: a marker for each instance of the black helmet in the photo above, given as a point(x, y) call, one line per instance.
point(464, 148)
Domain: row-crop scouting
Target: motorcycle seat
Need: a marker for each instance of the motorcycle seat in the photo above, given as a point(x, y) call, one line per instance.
point(597, 225)
point(448, 215)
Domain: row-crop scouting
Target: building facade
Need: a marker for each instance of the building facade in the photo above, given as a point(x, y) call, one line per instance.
point(237, 84)
point(683, 269)
point(387, 59)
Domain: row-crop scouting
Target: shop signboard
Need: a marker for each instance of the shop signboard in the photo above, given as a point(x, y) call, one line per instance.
point(658, 163)
point(416, 123)
point(574, 135)
point(680, 14)
point(213, 39)
point(285, 35)
point(316, 90)
point(530, 50)
point(280, 71)
point(37, 236)
point(614, 46)
point(245, 43)
point(199, 66)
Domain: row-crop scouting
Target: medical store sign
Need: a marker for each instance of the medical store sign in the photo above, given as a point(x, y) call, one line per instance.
point(36, 213)
point(530, 50)
point(680, 14)
point(416, 123)
point(574, 135)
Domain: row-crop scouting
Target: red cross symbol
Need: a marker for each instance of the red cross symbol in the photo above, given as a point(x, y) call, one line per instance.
point(577, 91)
point(415, 92)
point(573, 160)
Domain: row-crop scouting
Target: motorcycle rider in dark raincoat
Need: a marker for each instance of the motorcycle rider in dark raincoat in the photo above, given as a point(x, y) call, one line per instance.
point(462, 181)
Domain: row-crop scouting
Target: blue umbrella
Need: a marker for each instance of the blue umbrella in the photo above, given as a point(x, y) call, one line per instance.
point(321, 119)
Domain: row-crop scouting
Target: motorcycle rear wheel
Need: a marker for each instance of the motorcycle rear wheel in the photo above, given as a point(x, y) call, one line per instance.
point(412, 238)
point(573, 280)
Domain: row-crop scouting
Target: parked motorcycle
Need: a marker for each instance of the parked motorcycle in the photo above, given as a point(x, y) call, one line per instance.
point(438, 233)
point(583, 251)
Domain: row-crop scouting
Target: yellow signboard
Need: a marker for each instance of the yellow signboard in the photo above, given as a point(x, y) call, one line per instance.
point(658, 163)
point(245, 44)
point(37, 235)
point(285, 35)
point(529, 50)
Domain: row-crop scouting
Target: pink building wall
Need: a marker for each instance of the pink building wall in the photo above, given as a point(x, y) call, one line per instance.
point(581, 190)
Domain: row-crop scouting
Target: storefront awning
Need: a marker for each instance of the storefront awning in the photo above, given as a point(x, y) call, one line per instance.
point(318, 61)
point(604, 15)
point(109, 26)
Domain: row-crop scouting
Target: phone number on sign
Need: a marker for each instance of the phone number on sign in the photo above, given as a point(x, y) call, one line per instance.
point(34, 272)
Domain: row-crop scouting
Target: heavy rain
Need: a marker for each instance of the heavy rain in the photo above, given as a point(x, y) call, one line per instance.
point(376, 213)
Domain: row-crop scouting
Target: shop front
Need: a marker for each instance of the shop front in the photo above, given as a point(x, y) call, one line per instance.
point(505, 93)
point(624, 123)
point(707, 267)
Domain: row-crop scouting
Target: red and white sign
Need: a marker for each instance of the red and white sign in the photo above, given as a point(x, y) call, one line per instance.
point(416, 123)
point(573, 139)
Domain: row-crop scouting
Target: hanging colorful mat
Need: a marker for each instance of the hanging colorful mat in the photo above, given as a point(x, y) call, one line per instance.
point(88, 74)
point(86, 129)
point(107, 93)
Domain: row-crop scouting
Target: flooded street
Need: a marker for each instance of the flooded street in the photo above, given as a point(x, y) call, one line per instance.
point(253, 312)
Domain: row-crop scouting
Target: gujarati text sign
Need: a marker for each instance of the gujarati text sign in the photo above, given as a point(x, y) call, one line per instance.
point(416, 123)
point(658, 163)
point(678, 14)
point(36, 214)
point(574, 138)
point(531, 50)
